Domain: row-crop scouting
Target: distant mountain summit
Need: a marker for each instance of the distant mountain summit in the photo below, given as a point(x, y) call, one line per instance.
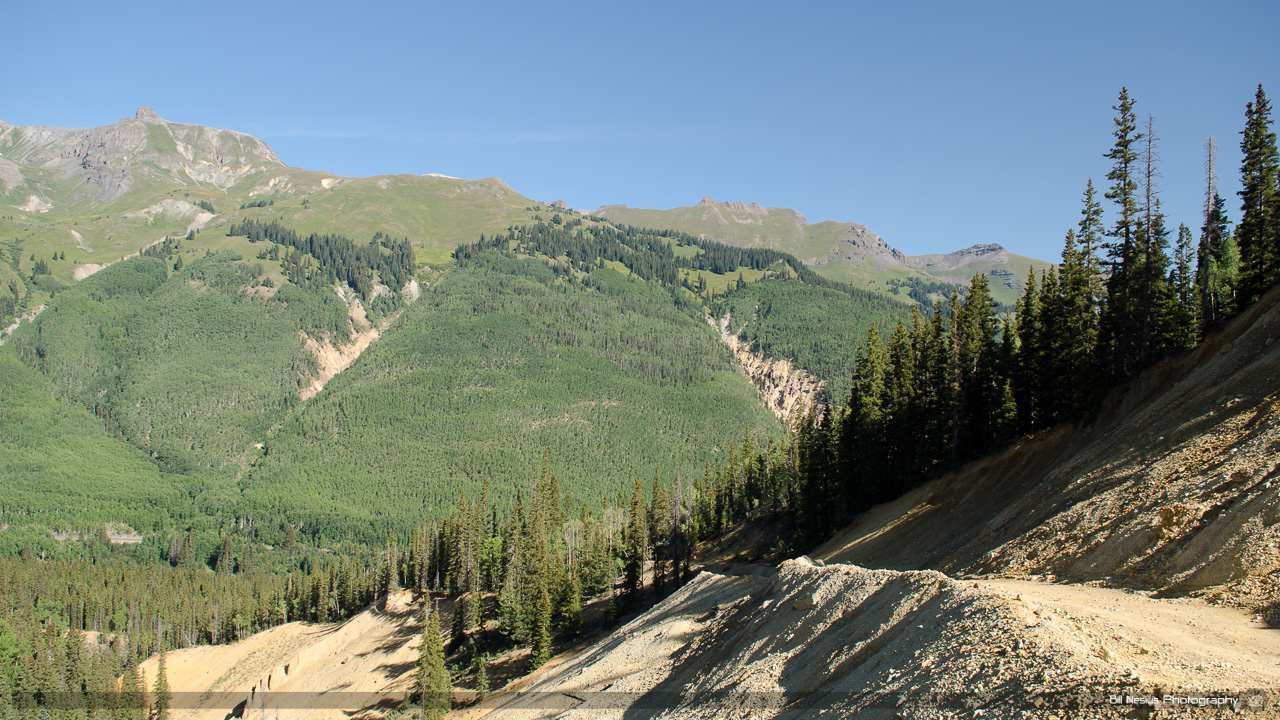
point(108, 161)
point(843, 251)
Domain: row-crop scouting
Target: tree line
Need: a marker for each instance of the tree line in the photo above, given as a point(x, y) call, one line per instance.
point(336, 258)
point(647, 253)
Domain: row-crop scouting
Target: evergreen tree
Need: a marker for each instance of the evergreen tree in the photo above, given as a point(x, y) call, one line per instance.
point(482, 677)
point(1079, 331)
point(1118, 332)
point(541, 637)
point(1214, 232)
point(1258, 234)
point(390, 575)
point(1050, 384)
point(659, 533)
point(1180, 316)
point(863, 479)
point(163, 697)
point(433, 678)
point(635, 546)
point(981, 389)
point(132, 702)
point(1028, 372)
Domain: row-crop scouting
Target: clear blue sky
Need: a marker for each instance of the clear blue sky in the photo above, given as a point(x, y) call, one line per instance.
point(936, 124)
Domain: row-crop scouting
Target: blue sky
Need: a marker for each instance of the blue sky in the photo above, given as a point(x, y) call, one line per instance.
point(936, 124)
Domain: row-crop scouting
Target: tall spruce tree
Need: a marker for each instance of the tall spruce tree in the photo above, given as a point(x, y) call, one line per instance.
point(540, 644)
point(1120, 337)
point(1258, 233)
point(635, 545)
point(980, 389)
point(433, 677)
point(1180, 315)
point(1027, 373)
point(163, 696)
point(1216, 293)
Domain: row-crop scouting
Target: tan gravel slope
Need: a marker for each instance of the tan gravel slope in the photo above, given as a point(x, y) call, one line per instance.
point(299, 670)
point(844, 641)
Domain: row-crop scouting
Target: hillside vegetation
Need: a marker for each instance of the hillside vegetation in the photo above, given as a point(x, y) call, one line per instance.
point(60, 466)
point(817, 328)
point(844, 252)
point(497, 363)
point(191, 367)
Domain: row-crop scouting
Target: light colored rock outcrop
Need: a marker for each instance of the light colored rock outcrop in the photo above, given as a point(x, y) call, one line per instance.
point(785, 389)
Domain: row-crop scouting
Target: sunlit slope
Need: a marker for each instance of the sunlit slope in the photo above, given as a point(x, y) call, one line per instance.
point(842, 251)
point(494, 365)
point(60, 468)
point(190, 366)
point(78, 199)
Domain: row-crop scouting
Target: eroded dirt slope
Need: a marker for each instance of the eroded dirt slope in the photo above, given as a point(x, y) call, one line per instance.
point(1175, 488)
point(300, 670)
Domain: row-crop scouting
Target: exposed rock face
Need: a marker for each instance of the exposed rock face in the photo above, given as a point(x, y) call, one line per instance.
point(110, 158)
point(858, 245)
point(559, 204)
point(785, 388)
point(10, 175)
point(733, 207)
point(987, 253)
point(147, 115)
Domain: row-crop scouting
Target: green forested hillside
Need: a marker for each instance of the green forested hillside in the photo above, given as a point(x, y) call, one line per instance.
point(499, 362)
point(60, 467)
point(588, 343)
point(192, 367)
point(817, 328)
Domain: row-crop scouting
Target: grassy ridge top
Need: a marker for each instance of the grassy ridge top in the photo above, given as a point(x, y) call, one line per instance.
point(841, 251)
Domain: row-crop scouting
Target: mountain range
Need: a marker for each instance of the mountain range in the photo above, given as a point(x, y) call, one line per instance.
point(98, 194)
point(842, 251)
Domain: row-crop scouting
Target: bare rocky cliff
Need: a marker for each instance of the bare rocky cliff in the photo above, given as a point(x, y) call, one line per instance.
point(111, 159)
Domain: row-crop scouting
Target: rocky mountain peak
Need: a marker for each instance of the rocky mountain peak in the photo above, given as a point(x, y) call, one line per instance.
point(752, 209)
point(981, 249)
point(147, 115)
point(111, 158)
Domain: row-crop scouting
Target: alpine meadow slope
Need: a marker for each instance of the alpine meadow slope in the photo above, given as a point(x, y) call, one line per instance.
point(847, 252)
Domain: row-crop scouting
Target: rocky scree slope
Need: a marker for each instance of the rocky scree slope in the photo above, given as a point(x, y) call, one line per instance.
point(812, 640)
point(785, 389)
